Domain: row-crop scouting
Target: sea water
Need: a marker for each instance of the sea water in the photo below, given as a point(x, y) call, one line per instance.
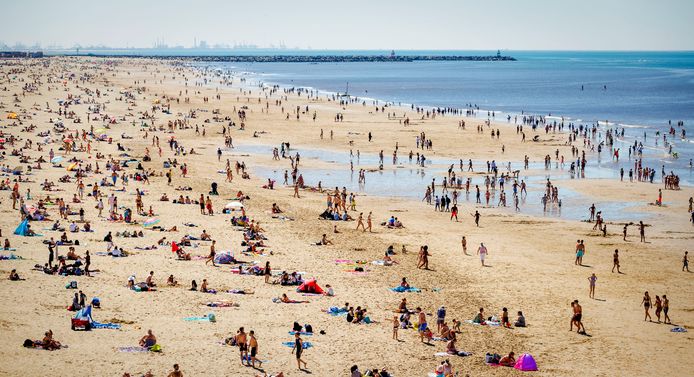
point(639, 91)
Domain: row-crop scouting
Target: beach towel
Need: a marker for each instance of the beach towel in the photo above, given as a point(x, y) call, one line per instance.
point(292, 332)
point(206, 318)
point(403, 289)
point(99, 325)
point(678, 329)
point(305, 345)
point(132, 349)
point(486, 323)
point(10, 257)
point(446, 354)
point(335, 311)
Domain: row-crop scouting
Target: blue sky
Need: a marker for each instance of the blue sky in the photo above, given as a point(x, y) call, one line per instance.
point(357, 24)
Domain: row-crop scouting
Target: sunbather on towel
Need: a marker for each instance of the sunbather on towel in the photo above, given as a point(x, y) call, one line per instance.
point(286, 300)
point(148, 340)
point(48, 343)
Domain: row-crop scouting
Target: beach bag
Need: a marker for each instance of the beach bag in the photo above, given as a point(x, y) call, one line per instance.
point(28, 343)
point(309, 329)
point(71, 285)
point(297, 326)
point(211, 317)
point(492, 358)
point(155, 348)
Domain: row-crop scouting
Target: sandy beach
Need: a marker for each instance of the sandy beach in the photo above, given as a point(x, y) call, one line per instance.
point(530, 266)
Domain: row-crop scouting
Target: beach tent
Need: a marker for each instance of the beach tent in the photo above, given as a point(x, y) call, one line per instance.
point(23, 228)
point(310, 286)
point(526, 363)
point(224, 258)
point(234, 206)
point(12, 116)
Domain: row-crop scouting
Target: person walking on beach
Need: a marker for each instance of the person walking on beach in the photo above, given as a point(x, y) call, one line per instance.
point(296, 190)
point(576, 318)
point(666, 308)
point(646, 306)
point(299, 348)
point(482, 252)
point(592, 279)
point(685, 261)
point(615, 261)
point(369, 223)
point(360, 222)
point(476, 215)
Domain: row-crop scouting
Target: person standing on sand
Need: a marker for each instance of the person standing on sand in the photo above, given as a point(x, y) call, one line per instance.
point(296, 190)
point(368, 223)
point(482, 252)
point(463, 243)
point(646, 306)
point(642, 231)
point(615, 261)
point(243, 348)
point(476, 215)
point(253, 344)
point(592, 279)
point(422, 324)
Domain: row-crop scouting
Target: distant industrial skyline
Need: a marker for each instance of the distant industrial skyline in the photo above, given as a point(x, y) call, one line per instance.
point(358, 24)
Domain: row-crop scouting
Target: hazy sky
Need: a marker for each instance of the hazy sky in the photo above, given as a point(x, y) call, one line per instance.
point(357, 24)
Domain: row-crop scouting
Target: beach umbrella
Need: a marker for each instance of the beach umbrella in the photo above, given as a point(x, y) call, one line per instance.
point(2, 140)
point(150, 222)
point(67, 140)
point(57, 159)
point(234, 206)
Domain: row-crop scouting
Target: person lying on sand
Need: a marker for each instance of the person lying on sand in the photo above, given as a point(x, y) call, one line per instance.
point(286, 300)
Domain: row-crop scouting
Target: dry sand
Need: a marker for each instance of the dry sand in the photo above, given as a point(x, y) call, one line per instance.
point(532, 258)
